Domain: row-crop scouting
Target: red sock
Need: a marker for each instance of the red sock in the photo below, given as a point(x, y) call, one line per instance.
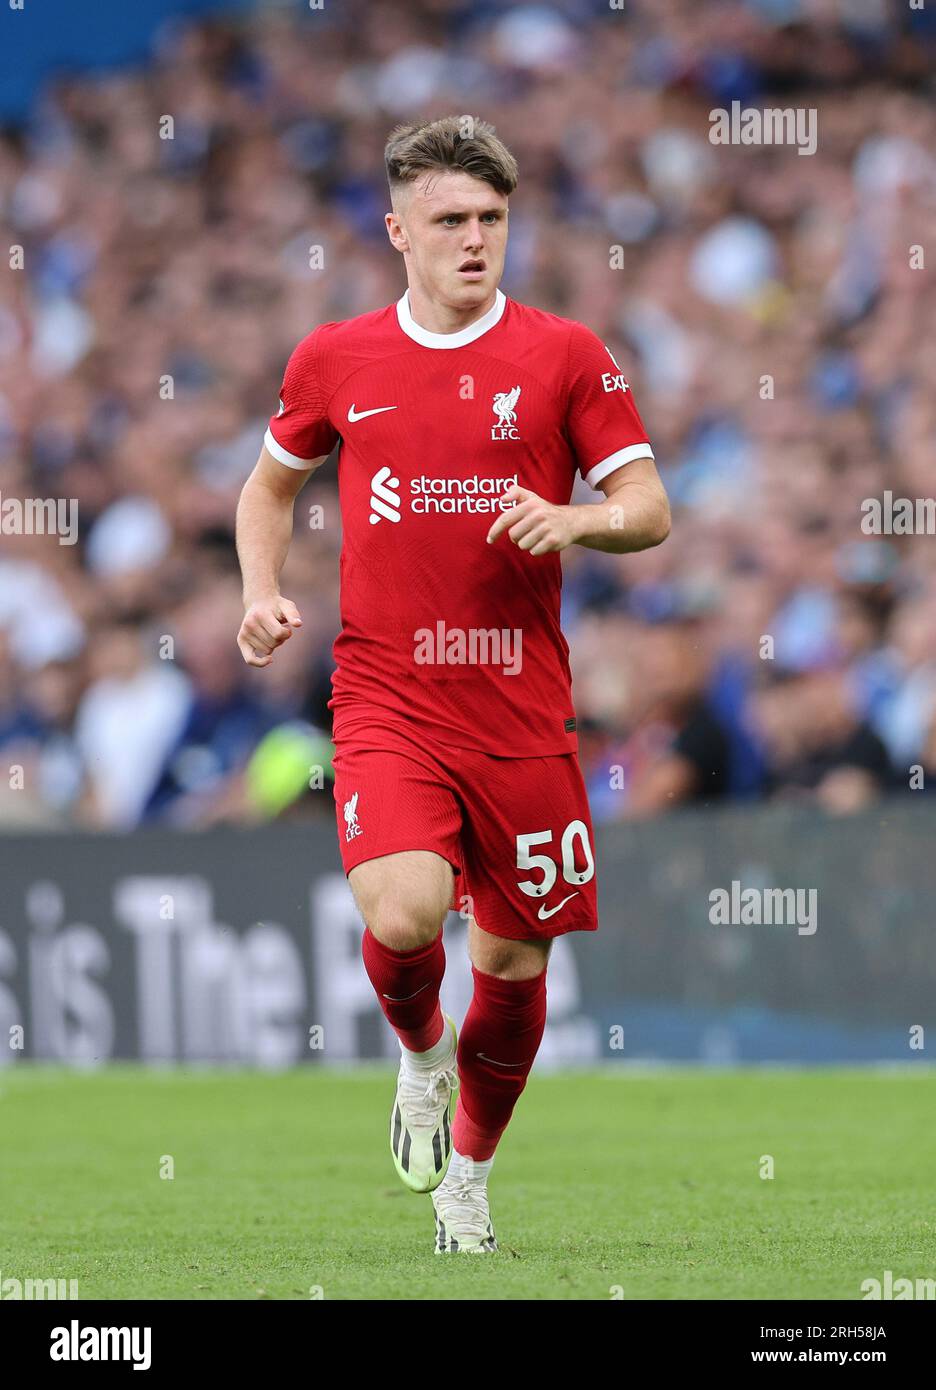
point(499, 1040)
point(407, 985)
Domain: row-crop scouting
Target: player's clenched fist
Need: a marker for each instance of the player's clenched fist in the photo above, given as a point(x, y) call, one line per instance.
point(267, 625)
point(534, 524)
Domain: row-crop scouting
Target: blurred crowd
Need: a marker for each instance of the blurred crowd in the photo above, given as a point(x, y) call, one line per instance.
point(774, 312)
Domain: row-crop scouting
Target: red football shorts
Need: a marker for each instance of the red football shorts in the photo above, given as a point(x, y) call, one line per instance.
point(517, 831)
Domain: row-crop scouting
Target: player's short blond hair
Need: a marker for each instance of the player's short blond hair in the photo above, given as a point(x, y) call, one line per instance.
point(464, 144)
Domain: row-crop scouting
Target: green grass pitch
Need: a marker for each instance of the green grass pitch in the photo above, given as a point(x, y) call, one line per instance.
point(647, 1183)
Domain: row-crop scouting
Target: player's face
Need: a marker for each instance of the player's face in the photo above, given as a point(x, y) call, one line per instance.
point(453, 229)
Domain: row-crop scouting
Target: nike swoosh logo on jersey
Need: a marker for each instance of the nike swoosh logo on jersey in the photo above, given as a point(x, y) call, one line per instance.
point(354, 414)
point(545, 912)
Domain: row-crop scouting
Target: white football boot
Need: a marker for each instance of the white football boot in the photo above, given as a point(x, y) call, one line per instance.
point(421, 1118)
point(463, 1216)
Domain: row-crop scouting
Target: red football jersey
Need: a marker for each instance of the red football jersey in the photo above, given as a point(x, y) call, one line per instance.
point(458, 640)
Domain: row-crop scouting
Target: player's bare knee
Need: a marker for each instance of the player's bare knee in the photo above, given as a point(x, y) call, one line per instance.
point(505, 959)
point(404, 926)
point(513, 969)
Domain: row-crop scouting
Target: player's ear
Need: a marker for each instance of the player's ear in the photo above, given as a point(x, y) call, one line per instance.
point(395, 232)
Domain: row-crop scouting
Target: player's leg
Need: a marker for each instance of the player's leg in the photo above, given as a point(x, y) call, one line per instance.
point(499, 1041)
point(403, 896)
point(529, 872)
point(403, 899)
point(500, 1037)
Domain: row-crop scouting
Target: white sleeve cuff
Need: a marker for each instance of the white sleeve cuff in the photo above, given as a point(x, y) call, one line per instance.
point(601, 470)
point(284, 456)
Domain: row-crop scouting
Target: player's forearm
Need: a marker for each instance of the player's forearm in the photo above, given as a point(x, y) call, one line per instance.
point(264, 530)
point(635, 517)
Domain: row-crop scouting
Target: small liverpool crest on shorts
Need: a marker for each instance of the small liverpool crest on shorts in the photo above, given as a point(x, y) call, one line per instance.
point(351, 821)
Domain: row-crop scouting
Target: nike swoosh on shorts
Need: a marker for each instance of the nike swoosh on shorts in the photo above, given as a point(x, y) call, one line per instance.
point(545, 912)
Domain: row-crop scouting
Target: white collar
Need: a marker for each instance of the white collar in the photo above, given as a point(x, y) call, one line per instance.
point(449, 340)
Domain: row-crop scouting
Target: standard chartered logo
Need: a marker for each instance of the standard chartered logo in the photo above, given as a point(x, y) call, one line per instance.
point(443, 496)
point(384, 501)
